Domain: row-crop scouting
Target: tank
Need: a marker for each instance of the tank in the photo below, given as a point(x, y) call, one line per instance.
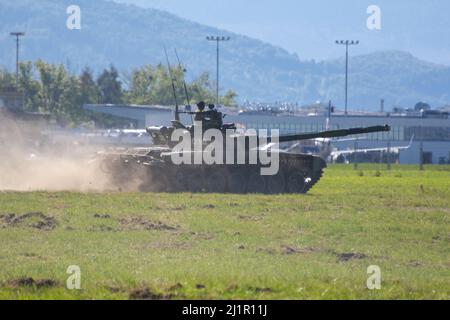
point(152, 168)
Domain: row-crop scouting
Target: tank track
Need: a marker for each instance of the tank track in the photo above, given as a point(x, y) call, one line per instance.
point(147, 170)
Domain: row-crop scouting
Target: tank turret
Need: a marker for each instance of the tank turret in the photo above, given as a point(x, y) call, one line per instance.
point(213, 119)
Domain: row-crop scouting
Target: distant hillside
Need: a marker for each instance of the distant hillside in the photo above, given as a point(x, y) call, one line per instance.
point(311, 27)
point(396, 76)
point(129, 36)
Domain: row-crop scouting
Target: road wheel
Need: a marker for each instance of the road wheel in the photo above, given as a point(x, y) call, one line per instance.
point(179, 180)
point(237, 183)
point(296, 182)
point(195, 182)
point(276, 184)
point(106, 165)
point(216, 181)
point(154, 182)
point(256, 183)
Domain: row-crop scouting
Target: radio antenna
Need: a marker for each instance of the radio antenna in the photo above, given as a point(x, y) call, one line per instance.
point(177, 111)
point(184, 80)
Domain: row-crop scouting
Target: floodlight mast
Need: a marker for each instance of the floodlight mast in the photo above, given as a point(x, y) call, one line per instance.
point(346, 43)
point(218, 39)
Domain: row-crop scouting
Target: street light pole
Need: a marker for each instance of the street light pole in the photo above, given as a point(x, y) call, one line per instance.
point(346, 43)
point(17, 35)
point(218, 40)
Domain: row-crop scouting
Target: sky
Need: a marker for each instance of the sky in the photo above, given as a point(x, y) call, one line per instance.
point(309, 28)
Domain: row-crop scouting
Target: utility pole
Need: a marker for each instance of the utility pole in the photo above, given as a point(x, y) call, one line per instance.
point(421, 155)
point(218, 40)
point(328, 121)
point(421, 149)
point(346, 43)
point(17, 35)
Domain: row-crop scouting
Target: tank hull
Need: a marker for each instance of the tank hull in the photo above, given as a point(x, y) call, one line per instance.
point(151, 170)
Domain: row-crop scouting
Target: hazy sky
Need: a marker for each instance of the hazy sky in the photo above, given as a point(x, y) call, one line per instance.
point(309, 27)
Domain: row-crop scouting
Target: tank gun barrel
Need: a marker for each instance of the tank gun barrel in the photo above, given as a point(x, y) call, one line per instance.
point(333, 133)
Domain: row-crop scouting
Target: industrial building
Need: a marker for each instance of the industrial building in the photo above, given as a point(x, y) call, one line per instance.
point(429, 129)
point(11, 99)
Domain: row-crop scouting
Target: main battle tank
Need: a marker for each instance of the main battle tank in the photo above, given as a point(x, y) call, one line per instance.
point(154, 170)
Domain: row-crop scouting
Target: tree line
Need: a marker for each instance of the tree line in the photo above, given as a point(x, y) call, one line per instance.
point(52, 89)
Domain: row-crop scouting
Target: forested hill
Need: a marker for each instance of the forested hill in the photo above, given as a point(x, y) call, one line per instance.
point(130, 36)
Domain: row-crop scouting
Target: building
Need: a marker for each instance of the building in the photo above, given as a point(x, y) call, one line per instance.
point(142, 115)
point(433, 133)
point(11, 99)
point(429, 129)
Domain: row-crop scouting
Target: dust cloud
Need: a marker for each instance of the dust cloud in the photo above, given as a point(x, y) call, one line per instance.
point(31, 160)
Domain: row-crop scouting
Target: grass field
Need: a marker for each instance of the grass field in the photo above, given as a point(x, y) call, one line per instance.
point(202, 246)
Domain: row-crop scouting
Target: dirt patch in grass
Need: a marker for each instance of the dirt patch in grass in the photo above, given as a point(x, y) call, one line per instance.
point(36, 220)
point(30, 282)
point(29, 254)
point(250, 218)
point(145, 293)
point(175, 287)
point(414, 264)
point(140, 223)
point(202, 235)
point(167, 245)
point(101, 228)
point(46, 283)
point(231, 287)
point(260, 290)
point(266, 250)
point(295, 250)
point(177, 208)
point(102, 216)
point(289, 250)
point(347, 256)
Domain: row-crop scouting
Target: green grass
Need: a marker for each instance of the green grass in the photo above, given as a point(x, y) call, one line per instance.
point(239, 246)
